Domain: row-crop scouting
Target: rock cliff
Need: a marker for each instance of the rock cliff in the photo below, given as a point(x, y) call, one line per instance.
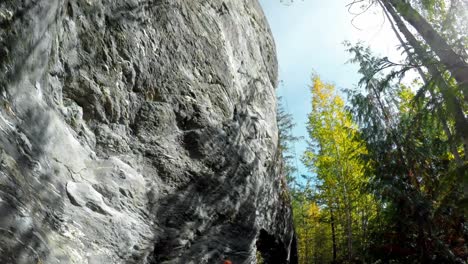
point(139, 131)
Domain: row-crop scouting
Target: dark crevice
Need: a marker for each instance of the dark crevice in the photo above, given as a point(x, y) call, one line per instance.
point(271, 248)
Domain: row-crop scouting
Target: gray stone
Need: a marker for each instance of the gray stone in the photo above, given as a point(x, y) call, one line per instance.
point(139, 131)
point(84, 195)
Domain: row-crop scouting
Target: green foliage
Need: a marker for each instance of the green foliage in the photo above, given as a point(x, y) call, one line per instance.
point(286, 141)
point(388, 186)
point(414, 173)
point(339, 209)
point(390, 169)
point(449, 19)
point(259, 257)
point(312, 229)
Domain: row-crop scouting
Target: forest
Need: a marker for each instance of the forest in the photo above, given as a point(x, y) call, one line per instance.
point(149, 132)
point(387, 159)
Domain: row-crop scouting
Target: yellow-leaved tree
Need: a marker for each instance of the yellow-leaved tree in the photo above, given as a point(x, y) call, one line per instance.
point(334, 156)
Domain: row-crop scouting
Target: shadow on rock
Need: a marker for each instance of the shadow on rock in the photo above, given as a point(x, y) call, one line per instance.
point(30, 195)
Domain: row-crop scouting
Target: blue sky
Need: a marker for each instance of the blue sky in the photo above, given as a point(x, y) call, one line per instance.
point(309, 36)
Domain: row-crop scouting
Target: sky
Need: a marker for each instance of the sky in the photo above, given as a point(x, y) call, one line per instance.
point(309, 36)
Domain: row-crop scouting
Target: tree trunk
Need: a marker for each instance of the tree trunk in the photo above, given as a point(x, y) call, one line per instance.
point(332, 221)
point(452, 102)
point(349, 232)
point(412, 59)
point(306, 235)
point(364, 221)
point(448, 57)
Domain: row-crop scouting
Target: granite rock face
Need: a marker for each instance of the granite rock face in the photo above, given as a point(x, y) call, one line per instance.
point(139, 131)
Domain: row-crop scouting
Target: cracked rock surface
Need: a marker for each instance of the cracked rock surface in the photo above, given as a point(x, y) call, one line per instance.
point(139, 131)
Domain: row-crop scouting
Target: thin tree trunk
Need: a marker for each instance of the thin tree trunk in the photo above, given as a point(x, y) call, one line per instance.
point(448, 57)
point(452, 102)
point(332, 222)
point(439, 109)
point(364, 220)
point(347, 204)
point(349, 232)
point(306, 233)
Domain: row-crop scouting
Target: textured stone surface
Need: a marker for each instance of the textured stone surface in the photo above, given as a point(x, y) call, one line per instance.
point(139, 131)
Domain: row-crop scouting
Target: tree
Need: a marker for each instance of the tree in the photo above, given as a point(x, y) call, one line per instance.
point(413, 60)
point(448, 57)
point(286, 141)
point(453, 104)
point(334, 155)
point(413, 174)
